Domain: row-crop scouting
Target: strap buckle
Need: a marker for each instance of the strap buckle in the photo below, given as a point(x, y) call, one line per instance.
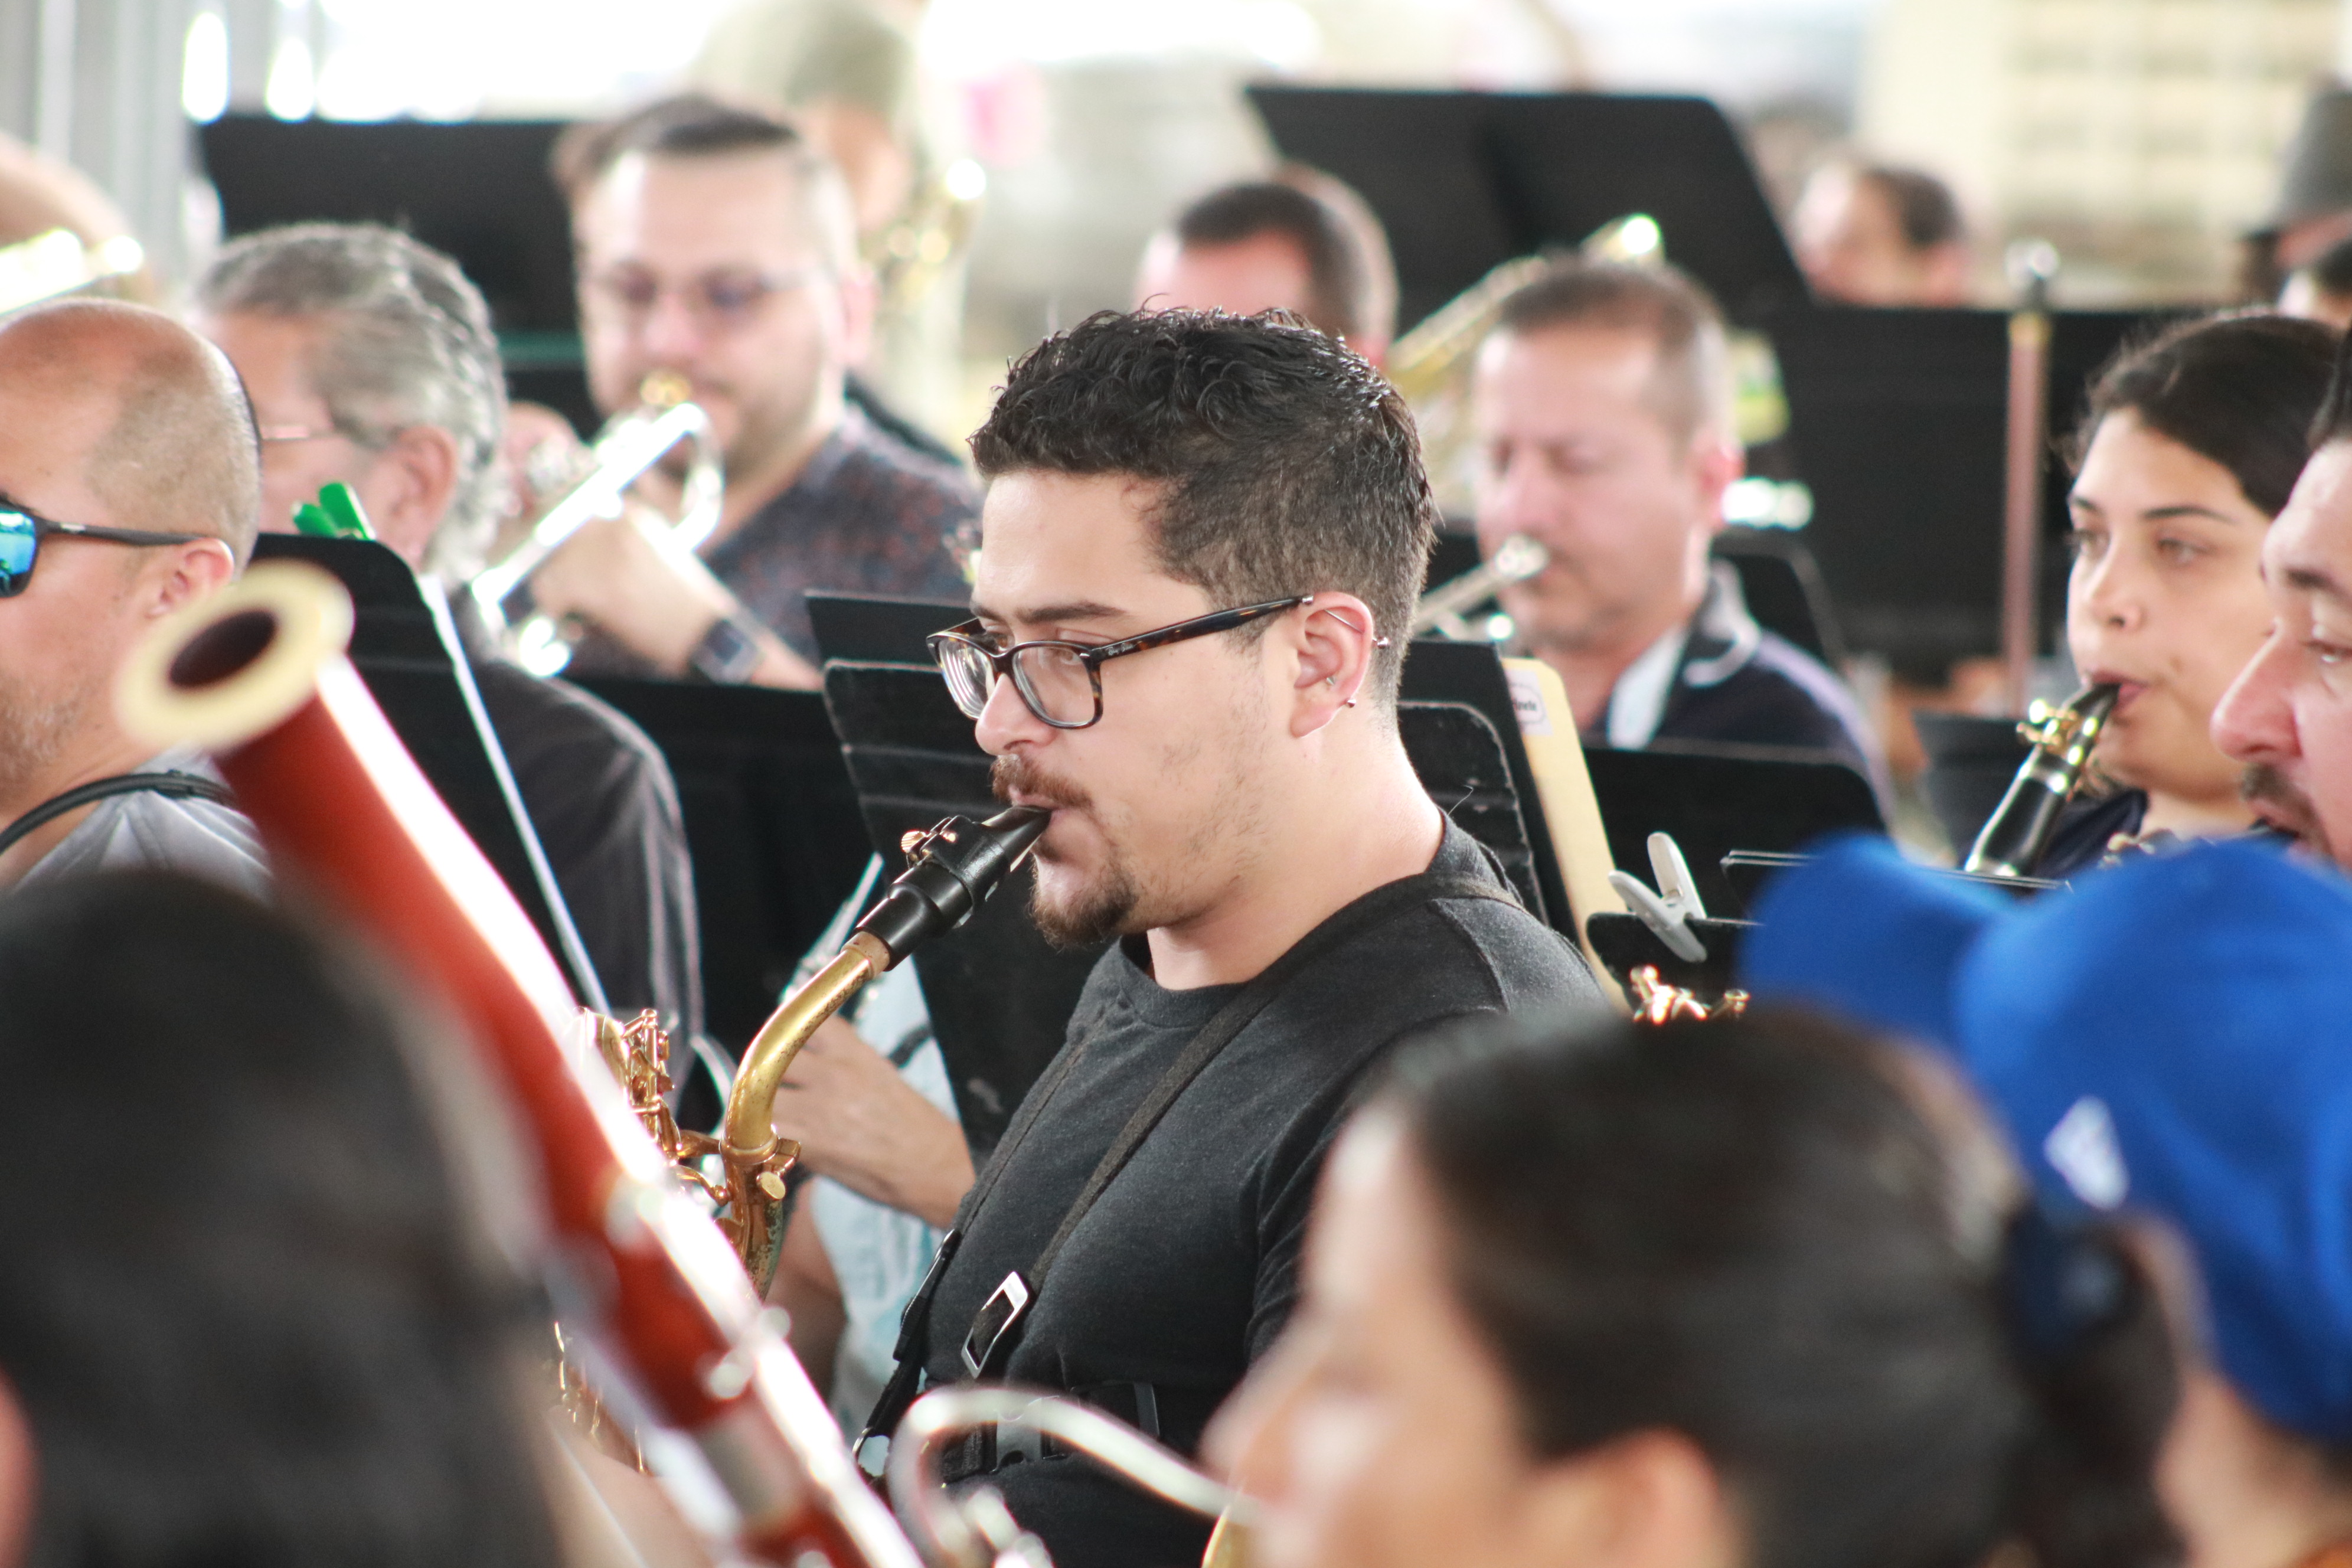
point(987, 1336)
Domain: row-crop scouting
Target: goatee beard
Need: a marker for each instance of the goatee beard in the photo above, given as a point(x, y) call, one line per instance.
point(1095, 913)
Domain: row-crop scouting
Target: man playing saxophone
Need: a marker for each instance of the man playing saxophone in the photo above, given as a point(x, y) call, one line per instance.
point(1202, 538)
point(2288, 717)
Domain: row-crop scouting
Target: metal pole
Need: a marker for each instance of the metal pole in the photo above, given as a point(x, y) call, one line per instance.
point(2033, 263)
point(53, 85)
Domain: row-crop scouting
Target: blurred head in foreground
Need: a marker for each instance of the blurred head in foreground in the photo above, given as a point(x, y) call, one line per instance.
point(1701, 1295)
point(2169, 1041)
point(246, 1316)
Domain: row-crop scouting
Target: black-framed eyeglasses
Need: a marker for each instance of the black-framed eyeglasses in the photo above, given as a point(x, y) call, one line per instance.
point(1062, 681)
point(715, 299)
point(22, 531)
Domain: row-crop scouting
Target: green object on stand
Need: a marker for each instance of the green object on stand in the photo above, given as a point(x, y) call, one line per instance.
point(334, 515)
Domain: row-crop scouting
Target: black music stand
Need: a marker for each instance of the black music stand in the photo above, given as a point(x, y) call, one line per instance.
point(876, 628)
point(1716, 799)
point(1000, 996)
point(477, 190)
point(1465, 181)
point(1897, 424)
point(409, 659)
point(771, 822)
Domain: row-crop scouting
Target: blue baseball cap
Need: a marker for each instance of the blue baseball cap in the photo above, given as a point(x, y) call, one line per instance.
point(2173, 1036)
point(1860, 931)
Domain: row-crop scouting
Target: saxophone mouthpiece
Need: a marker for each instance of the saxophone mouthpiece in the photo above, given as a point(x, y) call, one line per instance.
point(956, 866)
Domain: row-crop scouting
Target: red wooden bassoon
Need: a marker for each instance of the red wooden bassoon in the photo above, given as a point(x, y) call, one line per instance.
point(256, 676)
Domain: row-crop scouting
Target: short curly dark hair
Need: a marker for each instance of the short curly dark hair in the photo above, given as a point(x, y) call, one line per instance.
point(1288, 465)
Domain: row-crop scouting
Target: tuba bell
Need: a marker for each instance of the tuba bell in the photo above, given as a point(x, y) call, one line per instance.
point(624, 450)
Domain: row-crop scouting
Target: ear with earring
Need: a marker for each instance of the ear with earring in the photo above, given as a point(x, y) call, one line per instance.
point(1333, 681)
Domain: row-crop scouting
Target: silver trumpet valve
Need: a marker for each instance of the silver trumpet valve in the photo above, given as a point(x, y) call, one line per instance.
point(1441, 609)
point(622, 452)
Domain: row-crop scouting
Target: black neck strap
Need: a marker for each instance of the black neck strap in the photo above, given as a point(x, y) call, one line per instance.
point(1383, 903)
point(180, 786)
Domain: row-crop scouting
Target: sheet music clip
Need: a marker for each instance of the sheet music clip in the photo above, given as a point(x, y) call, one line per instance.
point(1676, 903)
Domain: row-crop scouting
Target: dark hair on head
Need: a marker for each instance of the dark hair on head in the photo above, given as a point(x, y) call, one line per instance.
point(1350, 280)
point(1746, 1231)
point(1924, 206)
point(1691, 387)
point(698, 126)
point(245, 1312)
point(1287, 466)
point(2238, 390)
point(2333, 422)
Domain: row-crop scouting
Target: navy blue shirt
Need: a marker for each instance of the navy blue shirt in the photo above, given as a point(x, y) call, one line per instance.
point(1735, 683)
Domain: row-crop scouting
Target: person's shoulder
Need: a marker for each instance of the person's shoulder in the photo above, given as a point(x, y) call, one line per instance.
point(546, 724)
point(874, 456)
point(1453, 952)
point(1780, 696)
point(152, 832)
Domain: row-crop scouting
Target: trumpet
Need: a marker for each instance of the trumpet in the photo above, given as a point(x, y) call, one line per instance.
point(628, 446)
point(1441, 609)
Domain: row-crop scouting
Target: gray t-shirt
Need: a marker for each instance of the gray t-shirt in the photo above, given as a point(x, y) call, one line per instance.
point(152, 832)
point(1187, 1267)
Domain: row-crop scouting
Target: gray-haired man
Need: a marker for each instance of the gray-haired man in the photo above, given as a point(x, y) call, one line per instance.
point(370, 362)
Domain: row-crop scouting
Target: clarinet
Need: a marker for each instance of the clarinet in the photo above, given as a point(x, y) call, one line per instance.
point(2019, 828)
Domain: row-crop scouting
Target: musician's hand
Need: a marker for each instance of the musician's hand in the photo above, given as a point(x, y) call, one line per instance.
point(860, 1124)
point(542, 454)
point(631, 578)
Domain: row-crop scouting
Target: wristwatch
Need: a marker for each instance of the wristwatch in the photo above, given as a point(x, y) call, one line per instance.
point(728, 652)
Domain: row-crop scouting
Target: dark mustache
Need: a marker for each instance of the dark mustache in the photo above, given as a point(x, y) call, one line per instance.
point(1017, 774)
point(2263, 784)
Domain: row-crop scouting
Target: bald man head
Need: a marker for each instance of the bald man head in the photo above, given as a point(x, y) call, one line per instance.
point(111, 417)
point(161, 423)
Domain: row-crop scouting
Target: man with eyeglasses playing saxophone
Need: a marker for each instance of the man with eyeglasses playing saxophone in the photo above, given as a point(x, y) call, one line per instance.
point(1201, 539)
point(717, 245)
point(130, 486)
